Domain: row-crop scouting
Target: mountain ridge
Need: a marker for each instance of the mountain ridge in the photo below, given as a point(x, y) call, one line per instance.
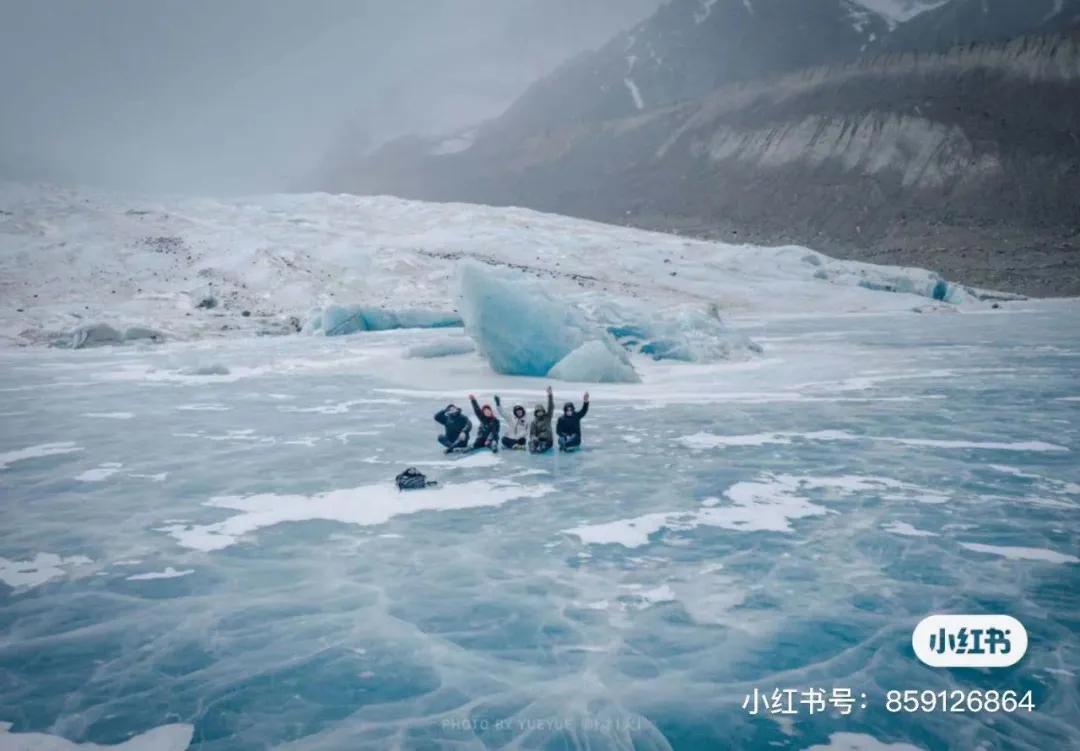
point(960, 160)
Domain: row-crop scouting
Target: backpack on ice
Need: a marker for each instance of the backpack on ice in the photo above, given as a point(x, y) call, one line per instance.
point(412, 479)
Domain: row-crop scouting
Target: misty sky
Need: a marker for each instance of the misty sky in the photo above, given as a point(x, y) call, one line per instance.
point(217, 96)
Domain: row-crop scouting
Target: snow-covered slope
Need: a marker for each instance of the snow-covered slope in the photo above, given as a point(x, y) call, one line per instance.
point(196, 267)
point(899, 11)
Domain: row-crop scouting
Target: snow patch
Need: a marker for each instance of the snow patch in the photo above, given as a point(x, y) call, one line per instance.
point(99, 473)
point(454, 144)
point(635, 93)
point(365, 506)
point(898, 11)
point(175, 737)
point(36, 452)
point(860, 742)
point(765, 505)
point(630, 533)
point(648, 597)
point(906, 530)
point(705, 8)
point(168, 573)
point(38, 570)
point(1021, 553)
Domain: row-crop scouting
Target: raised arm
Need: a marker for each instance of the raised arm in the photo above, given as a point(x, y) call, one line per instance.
point(476, 407)
point(500, 410)
point(551, 402)
point(584, 406)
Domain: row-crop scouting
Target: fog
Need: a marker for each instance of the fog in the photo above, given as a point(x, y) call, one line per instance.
point(221, 96)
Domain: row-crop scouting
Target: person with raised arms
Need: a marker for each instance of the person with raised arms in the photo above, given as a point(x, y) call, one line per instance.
point(540, 436)
point(568, 426)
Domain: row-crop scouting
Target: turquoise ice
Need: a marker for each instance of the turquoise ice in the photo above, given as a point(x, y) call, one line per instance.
point(223, 553)
point(522, 328)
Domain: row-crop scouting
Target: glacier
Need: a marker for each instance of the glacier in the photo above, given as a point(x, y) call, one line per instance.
point(340, 320)
point(523, 330)
point(201, 545)
point(266, 262)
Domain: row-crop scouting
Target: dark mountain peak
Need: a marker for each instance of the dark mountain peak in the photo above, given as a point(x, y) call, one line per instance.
point(689, 47)
point(941, 136)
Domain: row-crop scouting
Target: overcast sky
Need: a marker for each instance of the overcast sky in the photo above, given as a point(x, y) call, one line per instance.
point(213, 96)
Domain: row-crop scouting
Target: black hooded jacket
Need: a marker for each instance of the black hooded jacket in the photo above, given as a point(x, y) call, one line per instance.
point(571, 424)
point(455, 424)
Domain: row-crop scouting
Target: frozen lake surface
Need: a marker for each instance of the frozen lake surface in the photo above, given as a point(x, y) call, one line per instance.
point(223, 556)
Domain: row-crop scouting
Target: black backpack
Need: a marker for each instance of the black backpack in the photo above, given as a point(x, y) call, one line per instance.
point(412, 479)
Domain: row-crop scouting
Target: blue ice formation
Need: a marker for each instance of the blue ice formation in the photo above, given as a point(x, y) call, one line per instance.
point(595, 362)
point(687, 335)
point(935, 289)
point(892, 279)
point(522, 330)
point(441, 348)
point(338, 320)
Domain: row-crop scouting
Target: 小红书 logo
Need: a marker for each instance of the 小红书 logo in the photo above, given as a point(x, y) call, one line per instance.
point(969, 641)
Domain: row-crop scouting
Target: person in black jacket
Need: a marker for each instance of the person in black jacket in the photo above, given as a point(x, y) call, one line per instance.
point(568, 427)
point(457, 425)
point(487, 437)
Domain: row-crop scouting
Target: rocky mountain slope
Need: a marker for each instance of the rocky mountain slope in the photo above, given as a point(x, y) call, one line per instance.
point(964, 160)
point(687, 48)
point(960, 22)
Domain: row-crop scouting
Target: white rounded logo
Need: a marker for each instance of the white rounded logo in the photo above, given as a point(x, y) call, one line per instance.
point(969, 641)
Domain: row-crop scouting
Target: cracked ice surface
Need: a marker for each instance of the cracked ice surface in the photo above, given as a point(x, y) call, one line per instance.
point(229, 563)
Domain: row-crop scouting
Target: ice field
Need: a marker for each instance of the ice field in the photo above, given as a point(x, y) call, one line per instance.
point(189, 267)
point(789, 461)
point(201, 542)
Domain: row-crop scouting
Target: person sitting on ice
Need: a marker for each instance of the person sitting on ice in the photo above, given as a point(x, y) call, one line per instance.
point(517, 426)
point(487, 437)
point(540, 438)
point(568, 426)
point(457, 425)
